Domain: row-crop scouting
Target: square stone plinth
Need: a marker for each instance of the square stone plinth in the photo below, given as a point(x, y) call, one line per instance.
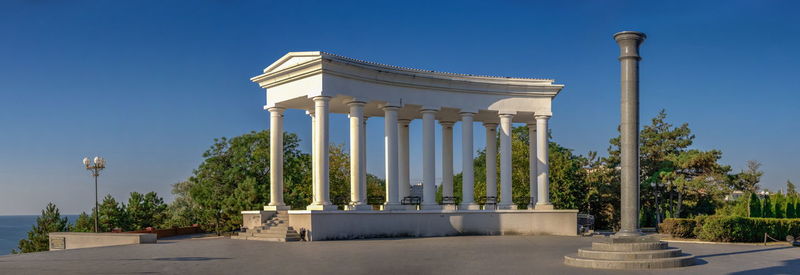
point(277, 207)
point(320, 207)
point(358, 207)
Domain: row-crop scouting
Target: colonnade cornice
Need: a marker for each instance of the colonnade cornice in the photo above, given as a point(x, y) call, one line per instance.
point(316, 66)
point(498, 89)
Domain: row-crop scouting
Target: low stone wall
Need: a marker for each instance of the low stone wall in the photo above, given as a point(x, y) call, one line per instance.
point(169, 232)
point(73, 240)
point(337, 225)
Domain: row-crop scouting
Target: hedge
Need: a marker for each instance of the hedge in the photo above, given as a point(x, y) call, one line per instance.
point(731, 228)
point(679, 228)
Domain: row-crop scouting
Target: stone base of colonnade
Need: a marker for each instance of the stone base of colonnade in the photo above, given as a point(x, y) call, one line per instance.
point(361, 224)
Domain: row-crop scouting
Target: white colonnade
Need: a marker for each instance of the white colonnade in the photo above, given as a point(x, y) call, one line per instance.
point(322, 83)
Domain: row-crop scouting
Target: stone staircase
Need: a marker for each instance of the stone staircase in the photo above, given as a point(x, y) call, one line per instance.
point(276, 229)
point(629, 253)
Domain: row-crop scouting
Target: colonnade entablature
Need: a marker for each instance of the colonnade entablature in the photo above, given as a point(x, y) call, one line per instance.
point(323, 83)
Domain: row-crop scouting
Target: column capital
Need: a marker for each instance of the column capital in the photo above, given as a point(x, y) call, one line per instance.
point(467, 114)
point(544, 117)
point(274, 110)
point(404, 122)
point(356, 103)
point(506, 115)
point(490, 124)
point(447, 123)
point(433, 111)
point(321, 98)
point(390, 108)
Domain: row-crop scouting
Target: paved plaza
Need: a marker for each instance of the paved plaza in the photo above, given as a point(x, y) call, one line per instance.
point(441, 255)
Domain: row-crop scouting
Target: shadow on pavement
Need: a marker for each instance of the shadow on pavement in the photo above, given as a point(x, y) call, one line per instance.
point(741, 252)
point(189, 259)
point(788, 267)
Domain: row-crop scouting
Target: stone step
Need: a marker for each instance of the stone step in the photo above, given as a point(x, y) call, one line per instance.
point(604, 246)
point(629, 255)
point(271, 239)
point(681, 261)
point(271, 235)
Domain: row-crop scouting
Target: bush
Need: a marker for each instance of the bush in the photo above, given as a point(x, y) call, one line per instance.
point(679, 228)
point(741, 229)
point(699, 221)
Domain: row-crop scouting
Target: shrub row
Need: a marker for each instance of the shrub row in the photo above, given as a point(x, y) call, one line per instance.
point(731, 228)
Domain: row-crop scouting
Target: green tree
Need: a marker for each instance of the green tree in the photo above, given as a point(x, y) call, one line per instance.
point(791, 190)
point(339, 175)
point(567, 174)
point(767, 207)
point(39, 235)
point(689, 182)
point(234, 176)
point(603, 195)
point(755, 206)
point(780, 206)
point(376, 187)
point(183, 211)
point(84, 223)
point(797, 207)
point(148, 210)
point(112, 215)
point(747, 180)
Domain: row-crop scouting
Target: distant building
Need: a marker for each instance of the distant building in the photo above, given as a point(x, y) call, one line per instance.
point(735, 195)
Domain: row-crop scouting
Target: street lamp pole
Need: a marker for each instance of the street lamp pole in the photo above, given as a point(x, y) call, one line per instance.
point(94, 168)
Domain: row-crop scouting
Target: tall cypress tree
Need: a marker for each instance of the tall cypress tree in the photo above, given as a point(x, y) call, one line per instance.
point(780, 206)
point(755, 206)
point(767, 207)
point(791, 202)
point(39, 236)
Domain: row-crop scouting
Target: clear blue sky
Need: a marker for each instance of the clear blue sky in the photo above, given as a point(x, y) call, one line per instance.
point(149, 84)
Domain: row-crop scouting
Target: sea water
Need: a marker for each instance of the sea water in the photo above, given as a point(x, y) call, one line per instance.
point(14, 228)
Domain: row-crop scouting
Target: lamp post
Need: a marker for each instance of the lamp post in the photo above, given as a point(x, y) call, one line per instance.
point(94, 168)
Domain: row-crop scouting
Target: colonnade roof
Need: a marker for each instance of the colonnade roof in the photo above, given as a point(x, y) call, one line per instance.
point(295, 78)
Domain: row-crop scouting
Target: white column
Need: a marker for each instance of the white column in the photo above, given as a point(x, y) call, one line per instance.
point(491, 159)
point(390, 139)
point(447, 158)
point(314, 181)
point(404, 179)
point(532, 165)
point(363, 171)
point(429, 160)
point(543, 170)
point(357, 201)
point(321, 106)
point(276, 160)
point(467, 164)
point(506, 193)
